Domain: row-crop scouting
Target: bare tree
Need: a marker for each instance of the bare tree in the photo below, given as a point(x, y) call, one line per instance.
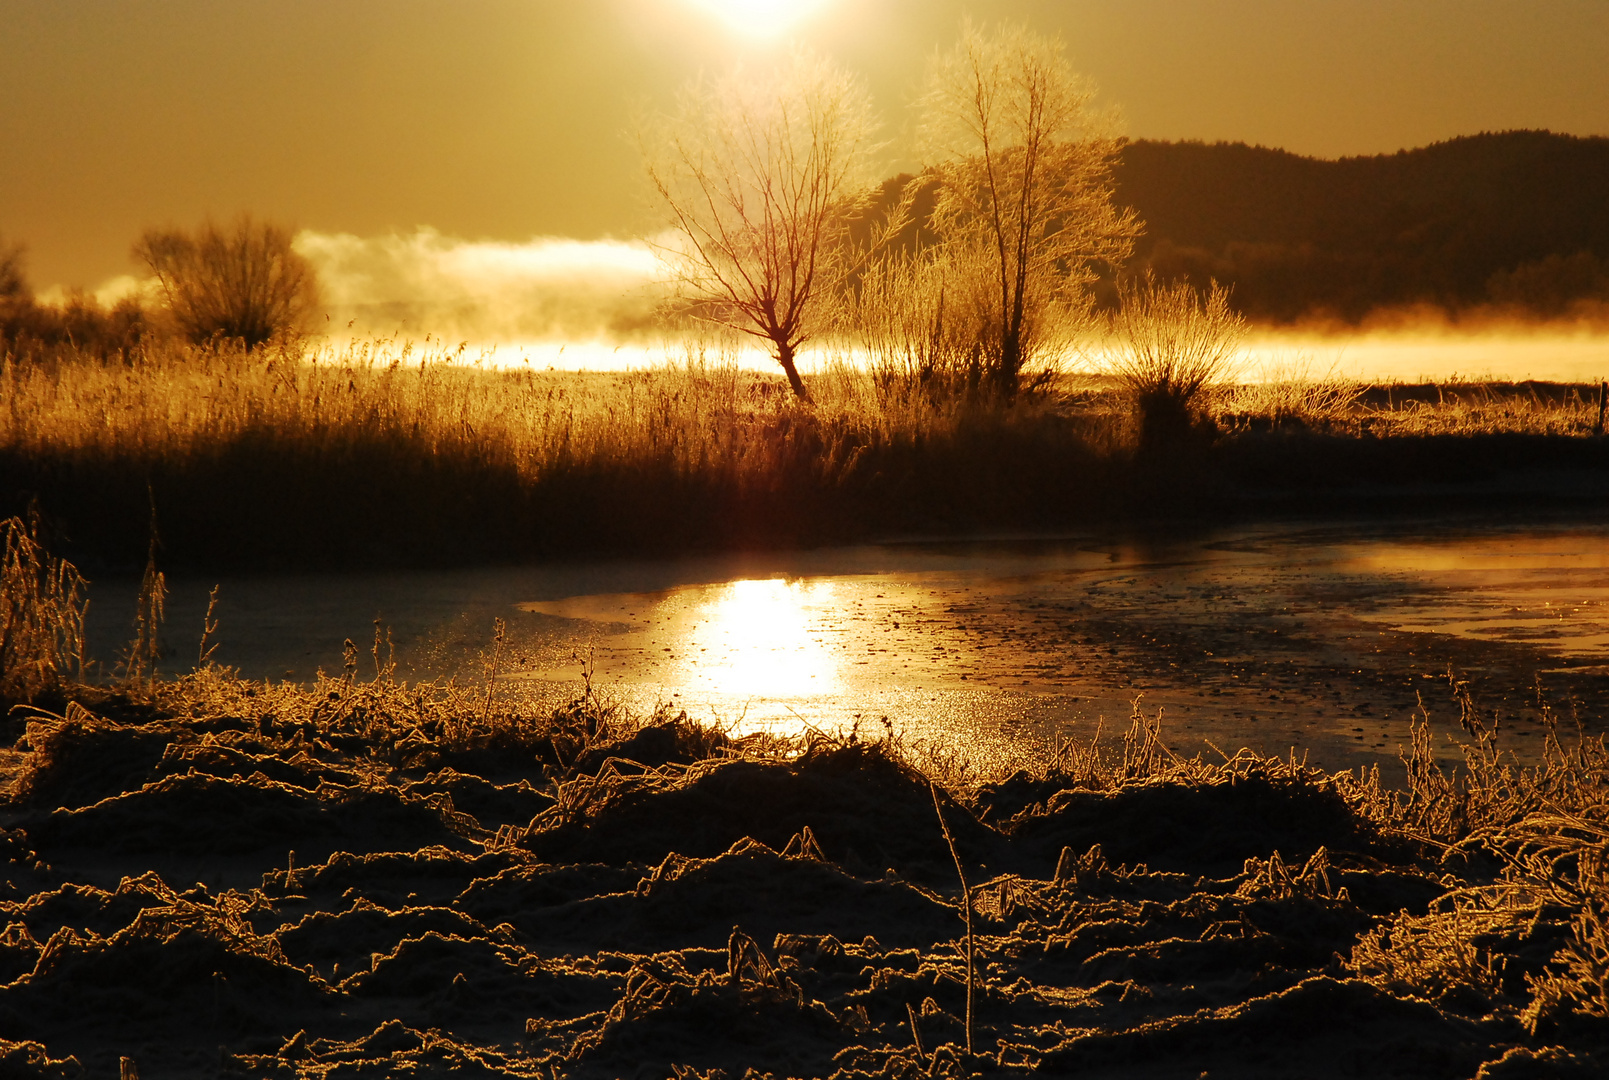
point(758, 176)
point(245, 284)
point(1024, 168)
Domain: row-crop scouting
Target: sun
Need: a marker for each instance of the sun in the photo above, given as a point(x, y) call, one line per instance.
point(760, 18)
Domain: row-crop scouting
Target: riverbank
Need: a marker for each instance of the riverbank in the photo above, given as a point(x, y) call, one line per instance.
point(378, 460)
point(212, 875)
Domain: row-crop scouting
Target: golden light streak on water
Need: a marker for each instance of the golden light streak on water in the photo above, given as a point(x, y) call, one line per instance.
point(1321, 635)
point(762, 637)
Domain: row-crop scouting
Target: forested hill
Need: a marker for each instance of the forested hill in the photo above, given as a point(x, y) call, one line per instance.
point(1519, 218)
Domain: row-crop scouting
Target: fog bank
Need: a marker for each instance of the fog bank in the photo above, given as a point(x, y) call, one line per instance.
point(547, 289)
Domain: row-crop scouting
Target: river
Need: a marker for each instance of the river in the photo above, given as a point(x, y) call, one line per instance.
point(1325, 637)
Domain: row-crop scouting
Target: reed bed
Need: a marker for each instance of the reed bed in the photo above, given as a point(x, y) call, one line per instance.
point(380, 452)
point(42, 602)
point(1461, 408)
point(1328, 403)
point(699, 410)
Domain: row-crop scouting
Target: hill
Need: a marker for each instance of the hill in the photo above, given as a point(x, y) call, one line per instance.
point(1519, 219)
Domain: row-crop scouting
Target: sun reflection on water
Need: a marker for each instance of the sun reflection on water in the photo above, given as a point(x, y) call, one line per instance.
point(762, 637)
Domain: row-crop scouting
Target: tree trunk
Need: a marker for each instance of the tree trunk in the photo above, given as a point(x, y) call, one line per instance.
point(1007, 375)
point(785, 358)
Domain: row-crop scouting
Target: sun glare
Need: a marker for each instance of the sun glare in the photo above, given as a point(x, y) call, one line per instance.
point(761, 637)
point(760, 18)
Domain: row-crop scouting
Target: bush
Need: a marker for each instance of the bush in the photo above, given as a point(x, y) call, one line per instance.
point(246, 284)
point(1171, 344)
point(79, 325)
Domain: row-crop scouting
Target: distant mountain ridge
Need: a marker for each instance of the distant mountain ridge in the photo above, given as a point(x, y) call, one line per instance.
point(1517, 219)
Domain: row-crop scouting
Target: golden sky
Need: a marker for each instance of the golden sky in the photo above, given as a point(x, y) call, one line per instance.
point(506, 119)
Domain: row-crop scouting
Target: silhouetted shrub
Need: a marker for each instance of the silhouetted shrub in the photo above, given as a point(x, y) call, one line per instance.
point(81, 324)
point(244, 284)
point(1171, 345)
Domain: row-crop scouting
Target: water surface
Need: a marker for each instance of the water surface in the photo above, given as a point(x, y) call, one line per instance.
point(1328, 638)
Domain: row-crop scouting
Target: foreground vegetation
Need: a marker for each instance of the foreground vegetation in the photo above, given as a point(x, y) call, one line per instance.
point(379, 455)
point(212, 876)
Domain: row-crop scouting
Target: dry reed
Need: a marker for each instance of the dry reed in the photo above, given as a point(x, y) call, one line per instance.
point(42, 604)
point(1173, 345)
point(381, 452)
point(1546, 829)
point(283, 457)
point(966, 916)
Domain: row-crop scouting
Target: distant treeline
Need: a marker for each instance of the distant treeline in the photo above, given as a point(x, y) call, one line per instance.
point(1517, 221)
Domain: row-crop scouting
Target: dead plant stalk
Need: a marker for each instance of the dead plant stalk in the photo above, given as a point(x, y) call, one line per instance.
point(966, 909)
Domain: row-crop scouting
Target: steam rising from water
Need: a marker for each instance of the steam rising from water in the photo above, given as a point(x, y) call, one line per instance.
point(1551, 353)
point(590, 303)
point(572, 304)
point(548, 289)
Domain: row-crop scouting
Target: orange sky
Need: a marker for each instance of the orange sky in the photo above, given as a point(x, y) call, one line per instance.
point(505, 119)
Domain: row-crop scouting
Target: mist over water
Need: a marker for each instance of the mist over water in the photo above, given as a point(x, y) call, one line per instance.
point(1545, 353)
point(591, 305)
point(547, 290)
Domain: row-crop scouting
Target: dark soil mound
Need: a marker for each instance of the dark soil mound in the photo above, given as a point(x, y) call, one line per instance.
point(84, 760)
point(676, 742)
point(335, 942)
point(197, 814)
point(158, 984)
point(430, 875)
point(629, 905)
point(865, 810)
point(1208, 829)
point(1354, 1028)
point(491, 805)
point(686, 902)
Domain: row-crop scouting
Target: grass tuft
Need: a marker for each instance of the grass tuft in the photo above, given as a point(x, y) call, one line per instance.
point(42, 604)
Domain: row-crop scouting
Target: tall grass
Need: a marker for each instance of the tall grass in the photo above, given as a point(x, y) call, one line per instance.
point(1466, 408)
point(1529, 843)
point(1173, 346)
point(173, 402)
point(925, 328)
point(1296, 398)
point(42, 604)
point(379, 452)
point(1289, 394)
